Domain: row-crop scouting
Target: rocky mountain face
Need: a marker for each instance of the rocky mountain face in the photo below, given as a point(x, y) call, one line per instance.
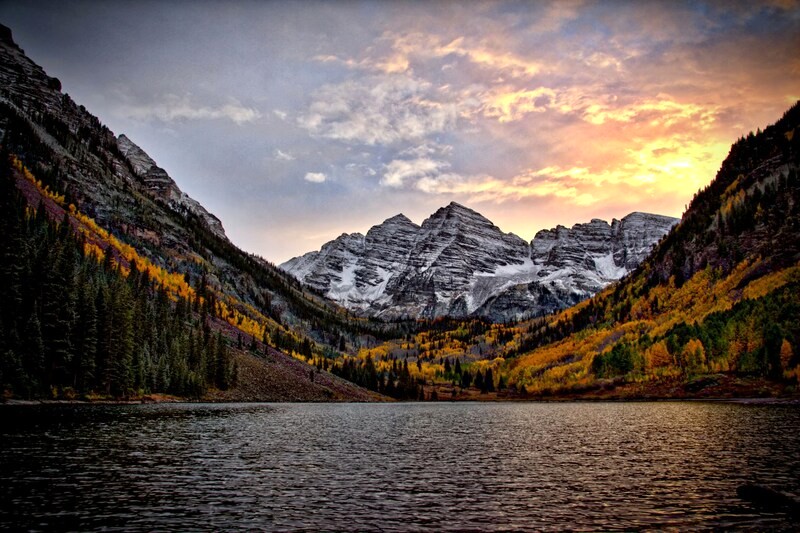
point(164, 187)
point(457, 263)
point(572, 264)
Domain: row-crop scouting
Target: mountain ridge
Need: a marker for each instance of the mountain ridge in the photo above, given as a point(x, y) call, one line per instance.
point(159, 182)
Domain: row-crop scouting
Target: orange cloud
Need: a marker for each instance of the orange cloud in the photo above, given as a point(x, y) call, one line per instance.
point(508, 106)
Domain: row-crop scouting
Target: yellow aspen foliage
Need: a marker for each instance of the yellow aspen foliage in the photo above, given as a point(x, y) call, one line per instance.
point(771, 282)
point(44, 190)
point(92, 250)
point(786, 354)
point(693, 356)
point(657, 356)
point(733, 186)
point(731, 202)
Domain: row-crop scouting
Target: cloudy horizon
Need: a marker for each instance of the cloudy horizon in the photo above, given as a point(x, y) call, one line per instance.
point(296, 122)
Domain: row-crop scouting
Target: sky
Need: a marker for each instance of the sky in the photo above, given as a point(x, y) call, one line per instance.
point(295, 122)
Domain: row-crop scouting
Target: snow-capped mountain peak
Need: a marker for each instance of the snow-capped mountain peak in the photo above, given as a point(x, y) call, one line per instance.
point(458, 263)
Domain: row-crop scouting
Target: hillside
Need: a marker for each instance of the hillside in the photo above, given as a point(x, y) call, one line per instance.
point(98, 199)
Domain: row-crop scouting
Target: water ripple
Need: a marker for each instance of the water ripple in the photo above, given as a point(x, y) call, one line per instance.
point(401, 467)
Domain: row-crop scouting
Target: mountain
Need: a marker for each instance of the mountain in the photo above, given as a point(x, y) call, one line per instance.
point(711, 311)
point(458, 263)
point(103, 254)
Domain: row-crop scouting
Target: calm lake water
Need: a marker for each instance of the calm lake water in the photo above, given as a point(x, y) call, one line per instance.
point(404, 467)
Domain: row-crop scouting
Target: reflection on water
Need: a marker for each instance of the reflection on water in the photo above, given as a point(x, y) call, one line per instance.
point(447, 466)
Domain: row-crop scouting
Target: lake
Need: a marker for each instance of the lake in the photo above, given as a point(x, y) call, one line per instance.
point(395, 467)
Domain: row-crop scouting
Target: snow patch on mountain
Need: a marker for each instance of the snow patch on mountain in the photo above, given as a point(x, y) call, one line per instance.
point(606, 268)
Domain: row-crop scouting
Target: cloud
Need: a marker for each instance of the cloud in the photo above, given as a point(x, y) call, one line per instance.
point(401, 171)
point(280, 155)
point(661, 111)
point(383, 109)
point(350, 63)
point(482, 188)
point(394, 53)
point(361, 169)
point(315, 177)
point(391, 64)
point(513, 105)
point(415, 45)
point(594, 104)
point(555, 15)
point(174, 108)
point(641, 174)
point(427, 149)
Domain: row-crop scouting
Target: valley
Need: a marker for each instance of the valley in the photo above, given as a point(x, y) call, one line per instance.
point(399, 266)
point(103, 245)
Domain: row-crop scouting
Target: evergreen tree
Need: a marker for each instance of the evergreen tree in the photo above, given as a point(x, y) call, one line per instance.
point(58, 314)
point(488, 380)
point(122, 343)
point(479, 381)
point(85, 337)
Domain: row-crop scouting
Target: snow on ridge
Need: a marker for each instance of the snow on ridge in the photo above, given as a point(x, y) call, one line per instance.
point(607, 268)
point(346, 286)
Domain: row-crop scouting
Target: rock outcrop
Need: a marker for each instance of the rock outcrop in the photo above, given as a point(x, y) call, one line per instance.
point(164, 187)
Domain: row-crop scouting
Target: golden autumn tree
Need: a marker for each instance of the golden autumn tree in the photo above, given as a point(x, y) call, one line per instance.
point(657, 356)
point(786, 354)
point(693, 357)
